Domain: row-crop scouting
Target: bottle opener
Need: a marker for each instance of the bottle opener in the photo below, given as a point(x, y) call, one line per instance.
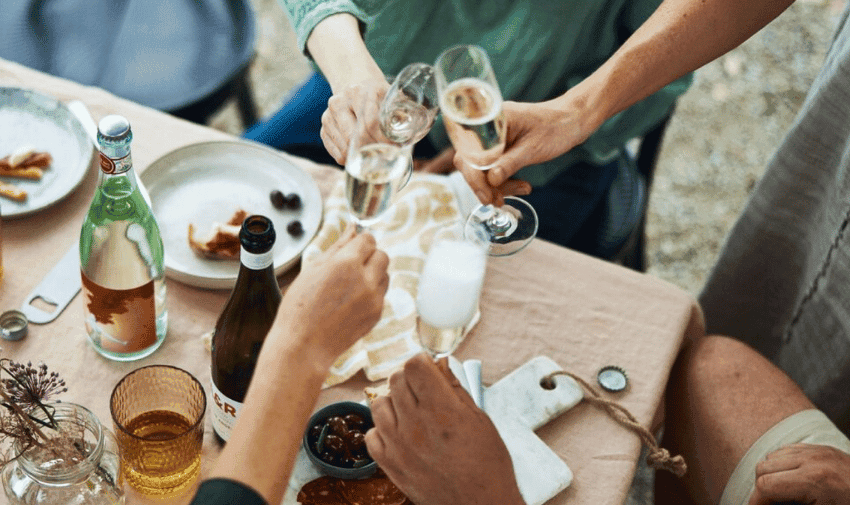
point(58, 288)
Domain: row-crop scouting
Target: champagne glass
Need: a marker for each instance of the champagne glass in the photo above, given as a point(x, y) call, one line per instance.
point(410, 105)
point(449, 289)
point(376, 169)
point(471, 104)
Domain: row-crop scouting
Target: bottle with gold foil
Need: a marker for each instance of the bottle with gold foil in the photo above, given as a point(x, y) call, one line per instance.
point(244, 323)
point(121, 256)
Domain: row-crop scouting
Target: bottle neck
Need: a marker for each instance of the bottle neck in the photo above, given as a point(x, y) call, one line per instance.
point(253, 261)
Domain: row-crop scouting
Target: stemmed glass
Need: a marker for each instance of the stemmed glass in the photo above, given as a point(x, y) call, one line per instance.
point(471, 104)
point(376, 169)
point(410, 105)
point(449, 289)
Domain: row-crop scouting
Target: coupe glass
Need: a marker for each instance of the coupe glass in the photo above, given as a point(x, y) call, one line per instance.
point(376, 169)
point(449, 289)
point(471, 104)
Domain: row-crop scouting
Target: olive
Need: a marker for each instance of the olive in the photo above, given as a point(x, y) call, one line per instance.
point(315, 431)
point(355, 422)
point(334, 444)
point(278, 200)
point(295, 229)
point(293, 201)
point(337, 426)
point(357, 441)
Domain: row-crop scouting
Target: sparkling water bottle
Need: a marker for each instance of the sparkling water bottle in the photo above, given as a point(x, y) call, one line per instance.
point(121, 256)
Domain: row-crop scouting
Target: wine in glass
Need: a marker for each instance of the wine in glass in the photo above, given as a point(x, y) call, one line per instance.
point(471, 104)
point(449, 289)
point(375, 171)
point(410, 105)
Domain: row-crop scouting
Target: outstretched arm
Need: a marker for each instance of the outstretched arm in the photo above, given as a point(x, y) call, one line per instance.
point(679, 37)
point(358, 84)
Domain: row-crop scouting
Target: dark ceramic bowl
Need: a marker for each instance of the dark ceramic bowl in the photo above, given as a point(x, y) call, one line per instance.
point(310, 440)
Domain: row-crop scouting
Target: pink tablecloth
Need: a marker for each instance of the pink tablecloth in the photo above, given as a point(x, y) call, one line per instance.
point(581, 312)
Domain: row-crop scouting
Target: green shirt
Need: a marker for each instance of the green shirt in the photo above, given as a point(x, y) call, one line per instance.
point(539, 49)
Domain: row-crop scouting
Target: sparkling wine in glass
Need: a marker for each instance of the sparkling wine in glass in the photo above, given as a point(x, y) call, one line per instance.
point(410, 105)
point(471, 104)
point(449, 290)
point(375, 171)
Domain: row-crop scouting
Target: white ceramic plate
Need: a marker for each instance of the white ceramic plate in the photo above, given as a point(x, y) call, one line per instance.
point(206, 183)
point(28, 118)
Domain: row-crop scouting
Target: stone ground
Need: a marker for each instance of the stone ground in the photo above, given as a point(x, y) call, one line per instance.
point(723, 132)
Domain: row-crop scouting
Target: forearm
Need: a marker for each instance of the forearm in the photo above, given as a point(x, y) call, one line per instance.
point(337, 46)
point(265, 441)
point(680, 36)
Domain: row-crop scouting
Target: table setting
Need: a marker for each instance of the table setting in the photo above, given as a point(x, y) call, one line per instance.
point(541, 309)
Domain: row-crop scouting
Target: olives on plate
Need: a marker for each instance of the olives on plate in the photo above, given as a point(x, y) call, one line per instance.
point(295, 228)
point(282, 201)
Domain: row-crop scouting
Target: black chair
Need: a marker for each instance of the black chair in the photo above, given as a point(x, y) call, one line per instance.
point(632, 253)
point(185, 57)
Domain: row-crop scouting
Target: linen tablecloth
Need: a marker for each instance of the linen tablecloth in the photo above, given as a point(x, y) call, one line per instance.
point(547, 300)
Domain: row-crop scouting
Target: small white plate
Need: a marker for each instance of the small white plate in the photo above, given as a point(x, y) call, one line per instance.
point(28, 118)
point(206, 183)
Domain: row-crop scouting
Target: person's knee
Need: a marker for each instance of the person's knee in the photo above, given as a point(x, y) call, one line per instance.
point(718, 357)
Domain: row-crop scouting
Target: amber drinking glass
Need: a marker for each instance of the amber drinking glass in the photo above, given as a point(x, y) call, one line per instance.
point(158, 412)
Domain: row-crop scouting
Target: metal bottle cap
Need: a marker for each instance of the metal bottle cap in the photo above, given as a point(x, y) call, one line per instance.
point(113, 127)
point(13, 325)
point(612, 378)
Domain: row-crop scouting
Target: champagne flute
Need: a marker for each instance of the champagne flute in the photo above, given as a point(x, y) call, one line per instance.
point(376, 169)
point(471, 104)
point(410, 105)
point(449, 289)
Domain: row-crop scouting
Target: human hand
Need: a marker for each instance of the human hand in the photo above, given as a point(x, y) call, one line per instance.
point(537, 132)
point(435, 444)
point(360, 102)
point(337, 298)
point(804, 473)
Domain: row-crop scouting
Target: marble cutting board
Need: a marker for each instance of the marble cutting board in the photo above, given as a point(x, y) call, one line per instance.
point(517, 405)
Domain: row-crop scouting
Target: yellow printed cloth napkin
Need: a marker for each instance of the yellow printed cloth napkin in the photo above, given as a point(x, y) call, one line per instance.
point(405, 232)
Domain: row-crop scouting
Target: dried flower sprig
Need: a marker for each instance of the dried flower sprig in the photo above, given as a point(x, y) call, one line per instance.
point(25, 390)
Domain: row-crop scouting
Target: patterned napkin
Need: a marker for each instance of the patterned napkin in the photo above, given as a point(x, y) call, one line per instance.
point(405, 233)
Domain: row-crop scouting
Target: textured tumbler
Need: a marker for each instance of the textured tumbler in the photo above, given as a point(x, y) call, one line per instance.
point(158, 412)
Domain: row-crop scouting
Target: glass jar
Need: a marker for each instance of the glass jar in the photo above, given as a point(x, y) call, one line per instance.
point(50, 477)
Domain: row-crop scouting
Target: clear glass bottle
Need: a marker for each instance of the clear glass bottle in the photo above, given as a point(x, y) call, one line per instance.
point(121, 256)
point(56, 477)
point(244, 323)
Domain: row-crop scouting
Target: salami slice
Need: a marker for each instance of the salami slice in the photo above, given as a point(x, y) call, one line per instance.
point(375, 490)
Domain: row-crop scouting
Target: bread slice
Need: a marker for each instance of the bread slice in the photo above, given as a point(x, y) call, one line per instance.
point(222, 240)
point(12, 192)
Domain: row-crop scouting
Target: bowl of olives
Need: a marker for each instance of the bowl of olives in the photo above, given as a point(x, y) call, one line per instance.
point(334, 440)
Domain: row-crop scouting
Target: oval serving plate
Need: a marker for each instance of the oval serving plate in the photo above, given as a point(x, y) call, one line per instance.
point(206, 183)
point(29, 118)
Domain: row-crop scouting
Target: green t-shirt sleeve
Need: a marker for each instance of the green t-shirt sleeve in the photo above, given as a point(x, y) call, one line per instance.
point(306, 14)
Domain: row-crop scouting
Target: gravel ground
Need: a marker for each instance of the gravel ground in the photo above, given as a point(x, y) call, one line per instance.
point(723, 133)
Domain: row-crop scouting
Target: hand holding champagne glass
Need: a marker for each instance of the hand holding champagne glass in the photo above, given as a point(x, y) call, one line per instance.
point(449, 289)
point(472, 111)
point(375, 170)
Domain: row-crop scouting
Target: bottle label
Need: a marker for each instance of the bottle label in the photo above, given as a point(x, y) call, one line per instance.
point(224, 413)
point(256, 261)
point(123, 320)
point(115, 165)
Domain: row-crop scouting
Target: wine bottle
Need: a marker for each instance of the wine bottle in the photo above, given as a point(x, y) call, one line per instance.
point(121, 256)
point(244, 323)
